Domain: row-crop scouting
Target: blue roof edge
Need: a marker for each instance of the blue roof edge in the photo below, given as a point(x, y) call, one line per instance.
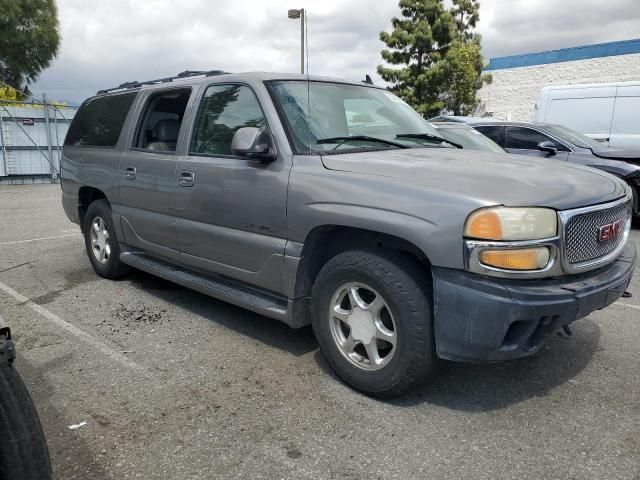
point(584, 52)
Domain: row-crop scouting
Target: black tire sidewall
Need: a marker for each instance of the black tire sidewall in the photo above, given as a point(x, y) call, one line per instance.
point(23, 448)
point(413, 359)
point(113, 268)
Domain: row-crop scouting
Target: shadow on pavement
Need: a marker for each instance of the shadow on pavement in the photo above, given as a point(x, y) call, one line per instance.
point(266, 330)
point(487, 387)
point(457, 386)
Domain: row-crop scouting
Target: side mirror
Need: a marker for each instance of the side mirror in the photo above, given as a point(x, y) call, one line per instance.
point(548, 147)
point(255, 143)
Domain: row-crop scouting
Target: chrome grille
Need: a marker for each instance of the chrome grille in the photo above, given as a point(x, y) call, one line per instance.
point(582, 232)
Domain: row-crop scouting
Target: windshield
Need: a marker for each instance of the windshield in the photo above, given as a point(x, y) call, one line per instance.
point(470, 139)
point(578, 139)
point(338, 111)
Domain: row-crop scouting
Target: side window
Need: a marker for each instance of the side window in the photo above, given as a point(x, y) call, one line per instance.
point(527, 139)
point(223, 110)
point(99, 121)
point(494, 132)
point(161, 119)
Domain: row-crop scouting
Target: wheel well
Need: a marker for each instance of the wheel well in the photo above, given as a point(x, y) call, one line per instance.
point(325, 242)
point(87, 195)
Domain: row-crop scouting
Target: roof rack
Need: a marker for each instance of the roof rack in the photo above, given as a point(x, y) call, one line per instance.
point(181, 75)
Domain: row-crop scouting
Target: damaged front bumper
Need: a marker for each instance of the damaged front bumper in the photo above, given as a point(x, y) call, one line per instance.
point(483, 319)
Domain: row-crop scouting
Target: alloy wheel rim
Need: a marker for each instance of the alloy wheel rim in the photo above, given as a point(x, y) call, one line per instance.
point(100, 245)
point(362, 326)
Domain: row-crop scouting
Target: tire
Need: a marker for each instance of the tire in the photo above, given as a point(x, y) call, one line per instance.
point(23, 449)
point(107, 263)
point(401, 362)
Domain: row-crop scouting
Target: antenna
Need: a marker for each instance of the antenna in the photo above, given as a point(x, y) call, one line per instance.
point(367, 79)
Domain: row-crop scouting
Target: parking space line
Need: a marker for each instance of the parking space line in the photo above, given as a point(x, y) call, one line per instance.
point(40, 239)
point(72, 329)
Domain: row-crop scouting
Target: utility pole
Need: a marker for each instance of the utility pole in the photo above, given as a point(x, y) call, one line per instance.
point(46, 124)
point(299, 13)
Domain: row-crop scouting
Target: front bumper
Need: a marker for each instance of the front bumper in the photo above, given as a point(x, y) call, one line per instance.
point(483, 319)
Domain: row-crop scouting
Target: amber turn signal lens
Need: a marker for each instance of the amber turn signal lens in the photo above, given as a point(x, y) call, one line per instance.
point(485, 224)
point(519, 259)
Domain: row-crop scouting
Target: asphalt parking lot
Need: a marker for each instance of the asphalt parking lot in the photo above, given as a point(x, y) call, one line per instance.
point(173, 384)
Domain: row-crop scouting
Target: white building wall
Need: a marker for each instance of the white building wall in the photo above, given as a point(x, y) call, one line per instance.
point(513, 92)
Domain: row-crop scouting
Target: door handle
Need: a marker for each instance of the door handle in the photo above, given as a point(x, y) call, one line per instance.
point(130, 173)
point(186, 179)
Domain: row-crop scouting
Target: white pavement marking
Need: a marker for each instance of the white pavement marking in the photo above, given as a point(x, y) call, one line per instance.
point(72, 329)
point(636, 307)
point(39, 239)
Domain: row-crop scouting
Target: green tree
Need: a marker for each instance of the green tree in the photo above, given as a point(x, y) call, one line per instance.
point(419, 41)
point(466, 14)
point(438, 54)
point(29, 40)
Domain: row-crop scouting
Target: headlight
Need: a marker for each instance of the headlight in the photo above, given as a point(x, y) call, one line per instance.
point(511, 224)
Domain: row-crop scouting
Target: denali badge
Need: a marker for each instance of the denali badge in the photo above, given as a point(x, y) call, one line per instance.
point(610, 231)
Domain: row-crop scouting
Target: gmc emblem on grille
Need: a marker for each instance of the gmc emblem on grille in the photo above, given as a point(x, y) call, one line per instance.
point(610, 231)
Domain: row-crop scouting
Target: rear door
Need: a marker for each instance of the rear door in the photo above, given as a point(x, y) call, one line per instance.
point(625, 127)
point(232, 210)
point(148, 172)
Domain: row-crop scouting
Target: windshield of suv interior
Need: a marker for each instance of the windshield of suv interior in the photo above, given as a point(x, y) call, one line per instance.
point(577, 138)
point(337, 111)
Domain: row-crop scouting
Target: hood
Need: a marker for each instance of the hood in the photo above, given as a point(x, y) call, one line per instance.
point(489, 179)
point(618, 154)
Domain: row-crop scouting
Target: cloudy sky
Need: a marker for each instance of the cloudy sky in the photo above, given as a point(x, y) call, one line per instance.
point(105, 43)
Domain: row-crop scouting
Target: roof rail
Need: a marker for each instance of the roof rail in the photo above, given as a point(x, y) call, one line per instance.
point(181, 75)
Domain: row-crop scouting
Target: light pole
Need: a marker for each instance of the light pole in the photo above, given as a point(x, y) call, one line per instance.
point(295, 13)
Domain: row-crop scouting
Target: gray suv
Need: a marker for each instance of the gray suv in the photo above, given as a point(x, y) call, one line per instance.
point(332, 203)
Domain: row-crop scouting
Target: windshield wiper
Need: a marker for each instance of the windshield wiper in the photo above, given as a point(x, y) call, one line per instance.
point(428, 136)
point(360, 138)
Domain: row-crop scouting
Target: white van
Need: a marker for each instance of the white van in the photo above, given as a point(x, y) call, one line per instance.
point(607, 112)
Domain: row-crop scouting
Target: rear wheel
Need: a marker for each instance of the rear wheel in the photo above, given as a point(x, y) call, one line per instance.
point(101, 241)
point(372, 317)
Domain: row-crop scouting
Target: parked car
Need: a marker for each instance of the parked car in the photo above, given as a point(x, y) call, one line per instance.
point(326, 202)
point(607, 112)
point(466, 137)
point(455, 119)
point(562, 143)
point(23, 448)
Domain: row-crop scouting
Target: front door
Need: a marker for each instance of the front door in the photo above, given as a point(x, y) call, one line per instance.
point(231, 210)
point(147, 173)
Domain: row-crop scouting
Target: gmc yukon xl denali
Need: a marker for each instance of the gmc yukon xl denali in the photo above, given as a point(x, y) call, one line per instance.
point(332, 203)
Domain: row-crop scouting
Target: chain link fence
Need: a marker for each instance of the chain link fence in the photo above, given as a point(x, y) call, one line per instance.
point(31, 138)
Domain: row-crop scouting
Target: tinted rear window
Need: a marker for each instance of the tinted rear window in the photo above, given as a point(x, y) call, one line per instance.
point(495, 133)
point(99, 121)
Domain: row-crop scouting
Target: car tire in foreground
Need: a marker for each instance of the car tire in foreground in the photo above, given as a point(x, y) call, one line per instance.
point(372, 317)
point(23, 449)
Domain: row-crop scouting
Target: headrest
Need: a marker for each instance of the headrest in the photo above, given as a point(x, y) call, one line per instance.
point(167, 130)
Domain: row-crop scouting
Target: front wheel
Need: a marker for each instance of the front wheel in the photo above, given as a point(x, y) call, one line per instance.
point(372, 318)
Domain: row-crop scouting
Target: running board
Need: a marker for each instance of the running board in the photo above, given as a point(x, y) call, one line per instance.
point(243, 296)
